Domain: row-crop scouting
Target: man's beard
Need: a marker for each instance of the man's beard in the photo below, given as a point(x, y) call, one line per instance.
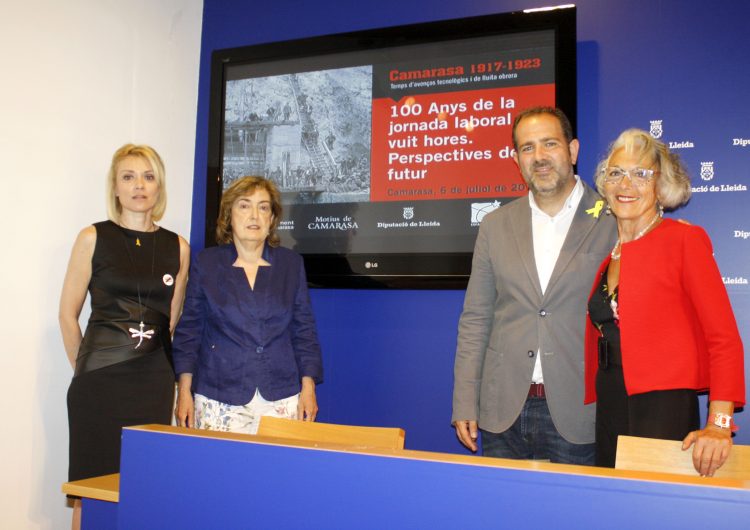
point(560, 182)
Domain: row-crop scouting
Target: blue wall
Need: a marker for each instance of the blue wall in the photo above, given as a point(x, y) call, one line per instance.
point(389, 354)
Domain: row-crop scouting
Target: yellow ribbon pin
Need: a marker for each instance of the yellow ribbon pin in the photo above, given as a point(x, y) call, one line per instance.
point(596, 210)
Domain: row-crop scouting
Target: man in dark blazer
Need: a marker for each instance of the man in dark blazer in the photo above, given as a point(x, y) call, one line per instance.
point(519, 359)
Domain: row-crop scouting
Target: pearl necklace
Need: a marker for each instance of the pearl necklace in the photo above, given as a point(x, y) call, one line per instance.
point(617, 249)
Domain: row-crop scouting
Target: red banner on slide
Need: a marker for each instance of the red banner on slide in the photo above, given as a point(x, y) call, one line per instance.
point(450, 145)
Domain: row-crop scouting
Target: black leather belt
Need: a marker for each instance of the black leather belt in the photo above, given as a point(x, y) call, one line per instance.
point(536, 390)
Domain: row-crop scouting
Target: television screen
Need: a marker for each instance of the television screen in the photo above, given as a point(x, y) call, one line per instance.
point(388, 146)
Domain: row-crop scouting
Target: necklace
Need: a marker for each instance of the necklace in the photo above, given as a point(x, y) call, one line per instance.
point(617, 249)
point(141, 333)
point(151, 228)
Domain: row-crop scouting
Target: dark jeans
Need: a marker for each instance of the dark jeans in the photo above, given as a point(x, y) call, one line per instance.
point(533, 437)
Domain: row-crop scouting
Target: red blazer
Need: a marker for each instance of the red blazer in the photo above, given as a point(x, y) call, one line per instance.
point(676, 323)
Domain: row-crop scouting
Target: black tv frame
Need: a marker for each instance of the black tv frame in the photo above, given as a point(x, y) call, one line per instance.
point(387, 270)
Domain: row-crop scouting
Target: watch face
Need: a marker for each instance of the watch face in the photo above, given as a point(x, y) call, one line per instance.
point(723, 420)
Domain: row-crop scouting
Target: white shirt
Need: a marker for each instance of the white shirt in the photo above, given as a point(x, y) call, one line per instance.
point(549, 233)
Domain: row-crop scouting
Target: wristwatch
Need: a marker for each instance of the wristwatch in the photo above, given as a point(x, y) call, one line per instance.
point(724, 421)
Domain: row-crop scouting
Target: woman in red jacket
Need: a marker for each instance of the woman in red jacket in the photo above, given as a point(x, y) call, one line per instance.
point(660, 327)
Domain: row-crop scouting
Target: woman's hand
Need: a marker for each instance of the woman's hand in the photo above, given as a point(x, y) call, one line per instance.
point(307, 408)
point(711, 446)
point(184, 412)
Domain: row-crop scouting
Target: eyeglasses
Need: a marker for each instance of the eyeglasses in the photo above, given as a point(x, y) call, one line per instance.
point(638, 176)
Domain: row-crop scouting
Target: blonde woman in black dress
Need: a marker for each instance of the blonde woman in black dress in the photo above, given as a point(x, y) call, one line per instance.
point(135, 272)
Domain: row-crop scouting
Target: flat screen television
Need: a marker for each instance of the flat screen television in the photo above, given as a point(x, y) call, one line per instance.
point(388, 145)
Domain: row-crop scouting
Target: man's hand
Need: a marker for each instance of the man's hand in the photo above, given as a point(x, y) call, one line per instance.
point(466, 430)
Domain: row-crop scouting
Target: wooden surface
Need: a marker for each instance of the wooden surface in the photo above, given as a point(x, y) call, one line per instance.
point(667, 456)
point(355, 436)
point(104, 488)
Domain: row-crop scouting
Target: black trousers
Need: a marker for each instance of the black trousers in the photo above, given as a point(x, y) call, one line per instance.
point(664, 414)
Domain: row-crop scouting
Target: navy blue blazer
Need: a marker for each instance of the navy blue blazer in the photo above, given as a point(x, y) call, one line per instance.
point(234, 339)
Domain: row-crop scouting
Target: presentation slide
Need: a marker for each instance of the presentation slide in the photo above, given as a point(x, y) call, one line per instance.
point(399, 150)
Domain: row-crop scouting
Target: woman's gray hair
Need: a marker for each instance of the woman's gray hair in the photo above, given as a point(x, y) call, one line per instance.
point(672, 184)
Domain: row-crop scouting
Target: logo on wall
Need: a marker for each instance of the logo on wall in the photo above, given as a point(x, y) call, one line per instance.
point(409, 212)
point(656, 129)
point(707, 170)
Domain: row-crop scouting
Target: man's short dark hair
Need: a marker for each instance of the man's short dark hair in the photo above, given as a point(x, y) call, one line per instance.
point(567, 129)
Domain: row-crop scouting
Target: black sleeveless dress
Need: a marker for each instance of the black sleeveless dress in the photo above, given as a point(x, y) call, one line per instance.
point(123, 374)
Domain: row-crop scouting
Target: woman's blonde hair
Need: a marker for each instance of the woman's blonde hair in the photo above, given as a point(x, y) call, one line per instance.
point(240, 188)
point(149, 154)
point(672, 183)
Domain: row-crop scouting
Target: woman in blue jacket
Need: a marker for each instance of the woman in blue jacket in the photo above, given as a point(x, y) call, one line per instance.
point(246, 345)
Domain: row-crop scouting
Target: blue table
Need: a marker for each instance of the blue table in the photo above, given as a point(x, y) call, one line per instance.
point(178, 478)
